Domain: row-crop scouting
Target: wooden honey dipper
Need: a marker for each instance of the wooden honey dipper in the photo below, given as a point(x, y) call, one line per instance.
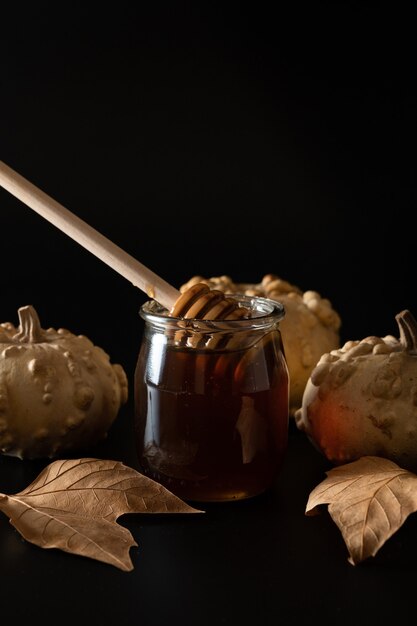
point(198, 302)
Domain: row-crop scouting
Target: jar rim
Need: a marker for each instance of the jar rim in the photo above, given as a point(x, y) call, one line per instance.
point(268, 312)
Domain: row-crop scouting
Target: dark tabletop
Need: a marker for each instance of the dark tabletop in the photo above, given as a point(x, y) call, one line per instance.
point(259, 560)
point(210, 139)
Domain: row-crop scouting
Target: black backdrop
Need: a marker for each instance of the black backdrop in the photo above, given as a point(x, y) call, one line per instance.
point(210, 138)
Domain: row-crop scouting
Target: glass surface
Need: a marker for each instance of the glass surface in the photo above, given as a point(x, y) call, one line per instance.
point(211, 402)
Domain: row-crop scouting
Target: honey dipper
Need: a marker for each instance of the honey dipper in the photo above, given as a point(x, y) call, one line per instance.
point(197, 302)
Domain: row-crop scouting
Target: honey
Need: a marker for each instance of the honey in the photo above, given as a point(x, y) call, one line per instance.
point(211, 424)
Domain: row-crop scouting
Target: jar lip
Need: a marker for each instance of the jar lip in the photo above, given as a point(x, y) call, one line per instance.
point(268, 311)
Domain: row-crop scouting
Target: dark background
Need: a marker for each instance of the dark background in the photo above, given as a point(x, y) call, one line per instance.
point(211, 138)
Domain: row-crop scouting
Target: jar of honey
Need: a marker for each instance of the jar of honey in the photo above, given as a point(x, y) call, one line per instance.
point(211, 402)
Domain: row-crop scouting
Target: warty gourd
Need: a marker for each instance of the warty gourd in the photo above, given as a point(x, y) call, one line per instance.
point(58, 391)
point(362, 399)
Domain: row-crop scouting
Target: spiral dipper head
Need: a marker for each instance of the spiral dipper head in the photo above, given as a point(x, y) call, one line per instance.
point(201, 302)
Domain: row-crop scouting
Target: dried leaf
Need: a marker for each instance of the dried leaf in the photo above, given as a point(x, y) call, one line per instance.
point(73, 505)
point(369, 500)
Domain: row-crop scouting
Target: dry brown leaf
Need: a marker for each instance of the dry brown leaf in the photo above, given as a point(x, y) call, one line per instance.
point(73, 505)
point(369, 500)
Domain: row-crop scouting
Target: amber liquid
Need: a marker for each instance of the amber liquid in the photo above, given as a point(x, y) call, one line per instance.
point(212, 425)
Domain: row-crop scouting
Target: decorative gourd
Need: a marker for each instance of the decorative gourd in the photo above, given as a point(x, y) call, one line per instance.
point(309, 329)
point(362, 399)
point(58, 391)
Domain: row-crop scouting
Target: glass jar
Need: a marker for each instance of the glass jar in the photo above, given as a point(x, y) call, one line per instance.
point(211, 402)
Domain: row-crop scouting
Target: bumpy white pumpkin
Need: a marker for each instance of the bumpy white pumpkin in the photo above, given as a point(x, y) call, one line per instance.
point(309, 329)
point(362, 399)
point(58, 391)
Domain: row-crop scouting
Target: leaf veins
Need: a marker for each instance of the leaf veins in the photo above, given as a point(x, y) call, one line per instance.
point(369, 500)
point(73, 505)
